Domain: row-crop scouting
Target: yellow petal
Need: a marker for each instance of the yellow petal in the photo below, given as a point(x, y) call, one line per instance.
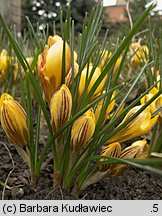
point(50, 67)
point(158, 105)
point(105, 58)
point(139, 126)
point(53, 40)
point(60, 107)
point(82, 130)
point(109, 109)
point(145, 99)
point(14, 123)
point(140, 54)
point(75, 56)
point(113, 150)
point(95, 76)
point(117, 64)
point(68, 78)
point(138, 149)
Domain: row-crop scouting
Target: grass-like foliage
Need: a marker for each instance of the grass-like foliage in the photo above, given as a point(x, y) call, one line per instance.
point(81, 91)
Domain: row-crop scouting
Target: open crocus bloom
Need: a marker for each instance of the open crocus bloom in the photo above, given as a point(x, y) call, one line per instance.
point(50, 67)
point(139, 126)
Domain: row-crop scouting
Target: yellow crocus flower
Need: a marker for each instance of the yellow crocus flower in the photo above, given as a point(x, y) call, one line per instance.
point(139, 126)
point(82, 130)
point(5, 61)
point(16, 72)
point(13, 121)
point(140, 54)
point(113, 150)
point(138, 149)
point(95, 76)
point(60, 107)
point(106, 57)
point(147, 97)
point(50, 67)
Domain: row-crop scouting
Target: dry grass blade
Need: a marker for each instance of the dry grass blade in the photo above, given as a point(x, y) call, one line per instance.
point(13, 167)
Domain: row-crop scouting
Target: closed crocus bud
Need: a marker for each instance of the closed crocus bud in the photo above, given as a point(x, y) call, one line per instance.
point(16, 69)
point(113, 150)
point(5, 61)
point(82, 130)
point(139, 126)
point(14, 122)
point(95, 76)
point(5, 96)
point(138, 149)
point(50, 67)
point(60, 107)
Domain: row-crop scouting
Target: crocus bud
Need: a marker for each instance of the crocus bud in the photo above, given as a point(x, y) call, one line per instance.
point(5, 62)
point(16, 68)
point(140, 54)
point(113, 150)
point(82, 130)
point(95, 76)
point(139, 126)
point(50, 67)
point(138, 149)
point(14, 122)
point(60, 107)
point(4, 97)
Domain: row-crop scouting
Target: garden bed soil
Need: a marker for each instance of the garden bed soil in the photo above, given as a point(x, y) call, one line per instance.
point(134, 184)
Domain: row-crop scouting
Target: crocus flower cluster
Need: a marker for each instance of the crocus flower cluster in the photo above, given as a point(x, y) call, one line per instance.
point(60, 100)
